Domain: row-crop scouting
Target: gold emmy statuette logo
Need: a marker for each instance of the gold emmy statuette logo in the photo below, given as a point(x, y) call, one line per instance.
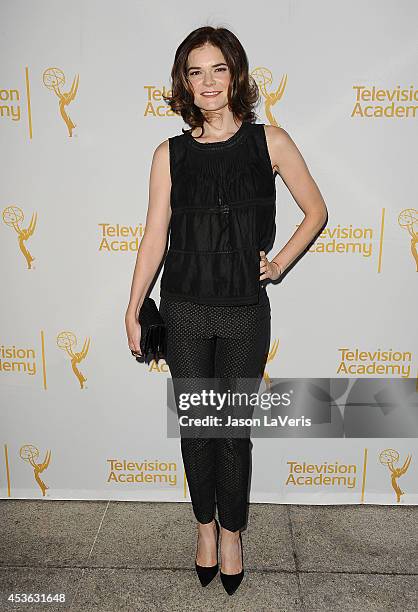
point(263, 77)
point(408, 219)
point(54, 79)
point(13, 217)
point(270, 356)
point(388, 457)
point(66, 340)
point(30, 453)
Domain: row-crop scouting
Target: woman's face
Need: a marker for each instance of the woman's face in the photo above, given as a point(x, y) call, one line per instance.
point(208, 72)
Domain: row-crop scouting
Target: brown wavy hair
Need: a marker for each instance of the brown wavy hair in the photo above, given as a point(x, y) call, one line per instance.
point(243, 92)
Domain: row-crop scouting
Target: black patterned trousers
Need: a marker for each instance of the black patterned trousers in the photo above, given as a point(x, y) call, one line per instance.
point(226, 342)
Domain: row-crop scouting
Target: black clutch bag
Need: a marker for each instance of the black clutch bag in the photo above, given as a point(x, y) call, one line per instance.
point(153, 342)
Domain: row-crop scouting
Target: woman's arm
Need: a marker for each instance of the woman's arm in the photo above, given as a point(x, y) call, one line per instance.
point(288, 162)
point(154, 239)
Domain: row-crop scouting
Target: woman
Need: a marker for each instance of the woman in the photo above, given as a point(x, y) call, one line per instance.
point(215, 186)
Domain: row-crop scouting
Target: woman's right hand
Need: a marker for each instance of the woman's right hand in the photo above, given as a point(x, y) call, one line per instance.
point(133, 331)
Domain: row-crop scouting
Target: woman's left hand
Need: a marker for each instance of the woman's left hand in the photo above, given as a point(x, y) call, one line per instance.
point(267, 268)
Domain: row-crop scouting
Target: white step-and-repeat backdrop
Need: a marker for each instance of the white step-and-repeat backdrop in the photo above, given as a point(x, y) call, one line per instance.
point(81, 113)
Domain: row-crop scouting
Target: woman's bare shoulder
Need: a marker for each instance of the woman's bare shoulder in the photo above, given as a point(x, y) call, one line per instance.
point(162, 148)
point(161, 155)
point(277, 136)
point(284, 152)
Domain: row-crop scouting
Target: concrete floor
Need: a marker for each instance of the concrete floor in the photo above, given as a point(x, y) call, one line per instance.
point(140, 556)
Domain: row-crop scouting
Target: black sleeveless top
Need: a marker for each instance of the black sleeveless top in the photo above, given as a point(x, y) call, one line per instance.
point(223, 203)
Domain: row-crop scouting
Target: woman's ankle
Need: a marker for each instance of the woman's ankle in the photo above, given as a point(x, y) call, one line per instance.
point(203, 526)
point(232, 536)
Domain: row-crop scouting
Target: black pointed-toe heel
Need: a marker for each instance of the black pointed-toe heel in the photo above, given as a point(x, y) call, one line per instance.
point(207, 574)
point(232, 581)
